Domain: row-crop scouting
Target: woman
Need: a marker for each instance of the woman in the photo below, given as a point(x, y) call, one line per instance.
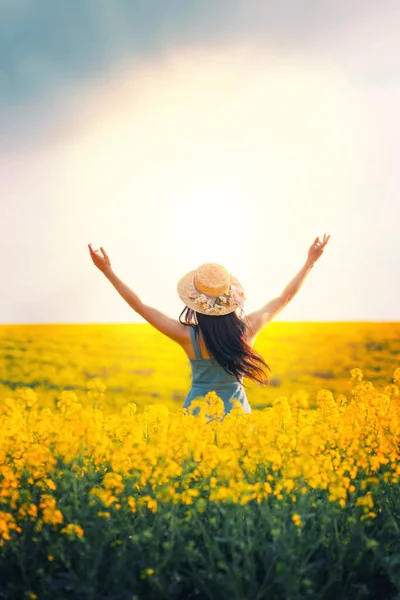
point(219, 349)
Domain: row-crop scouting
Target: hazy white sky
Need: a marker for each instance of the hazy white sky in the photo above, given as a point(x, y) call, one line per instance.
point(225, 146)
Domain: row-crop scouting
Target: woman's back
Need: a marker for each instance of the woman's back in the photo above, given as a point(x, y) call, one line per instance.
point(208, 375)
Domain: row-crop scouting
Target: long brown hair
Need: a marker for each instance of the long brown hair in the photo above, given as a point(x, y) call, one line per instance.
point(225, 338)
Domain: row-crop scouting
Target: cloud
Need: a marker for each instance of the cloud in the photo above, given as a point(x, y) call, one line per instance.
point(48, 45)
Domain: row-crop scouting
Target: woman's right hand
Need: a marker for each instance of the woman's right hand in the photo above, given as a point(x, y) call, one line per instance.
point(101, 261)
point(317, 248)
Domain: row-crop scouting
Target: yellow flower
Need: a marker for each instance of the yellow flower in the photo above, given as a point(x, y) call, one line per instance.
point(129, 410)
point(296, 520)
point(73, 530)
point(356, 374)
point(113, 481)
point(146, 572)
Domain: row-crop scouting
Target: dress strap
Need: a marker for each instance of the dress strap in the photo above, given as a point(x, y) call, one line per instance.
point(195, 344)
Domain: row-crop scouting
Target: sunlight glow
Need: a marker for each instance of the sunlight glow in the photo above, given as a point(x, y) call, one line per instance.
point(210, 156)
point(214, 139)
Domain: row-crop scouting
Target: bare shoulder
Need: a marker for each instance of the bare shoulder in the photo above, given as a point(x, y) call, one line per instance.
point(186, 342)
point(172, 328)
point(258, 319)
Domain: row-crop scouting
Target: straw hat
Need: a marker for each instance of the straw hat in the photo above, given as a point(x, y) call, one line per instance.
point(211, 290)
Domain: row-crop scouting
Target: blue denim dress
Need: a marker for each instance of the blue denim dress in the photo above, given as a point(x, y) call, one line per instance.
point(208, 375)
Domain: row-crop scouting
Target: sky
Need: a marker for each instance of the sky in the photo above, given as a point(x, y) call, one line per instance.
point(175, 134)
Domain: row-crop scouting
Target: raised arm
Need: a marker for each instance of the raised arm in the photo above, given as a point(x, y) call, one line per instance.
point(172, 328)
point(259, 318)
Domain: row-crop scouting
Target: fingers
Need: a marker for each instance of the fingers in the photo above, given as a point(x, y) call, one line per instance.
point(97, 251)
point(93, 251)
point(327, 238)
point(323, 242)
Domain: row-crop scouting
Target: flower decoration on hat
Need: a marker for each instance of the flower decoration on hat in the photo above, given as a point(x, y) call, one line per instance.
point(220, 302)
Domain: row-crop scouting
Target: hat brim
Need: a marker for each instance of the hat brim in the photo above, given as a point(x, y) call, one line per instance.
point(187, 293)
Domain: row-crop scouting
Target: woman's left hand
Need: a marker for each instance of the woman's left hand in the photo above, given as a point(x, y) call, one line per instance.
point(317, 249)
point(102, 262)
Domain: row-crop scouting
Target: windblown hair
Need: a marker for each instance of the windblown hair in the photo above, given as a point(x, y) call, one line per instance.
point(226, 338)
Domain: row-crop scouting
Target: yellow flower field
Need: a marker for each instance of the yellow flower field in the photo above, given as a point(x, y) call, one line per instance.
point(110, 491)
point(139, 364)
